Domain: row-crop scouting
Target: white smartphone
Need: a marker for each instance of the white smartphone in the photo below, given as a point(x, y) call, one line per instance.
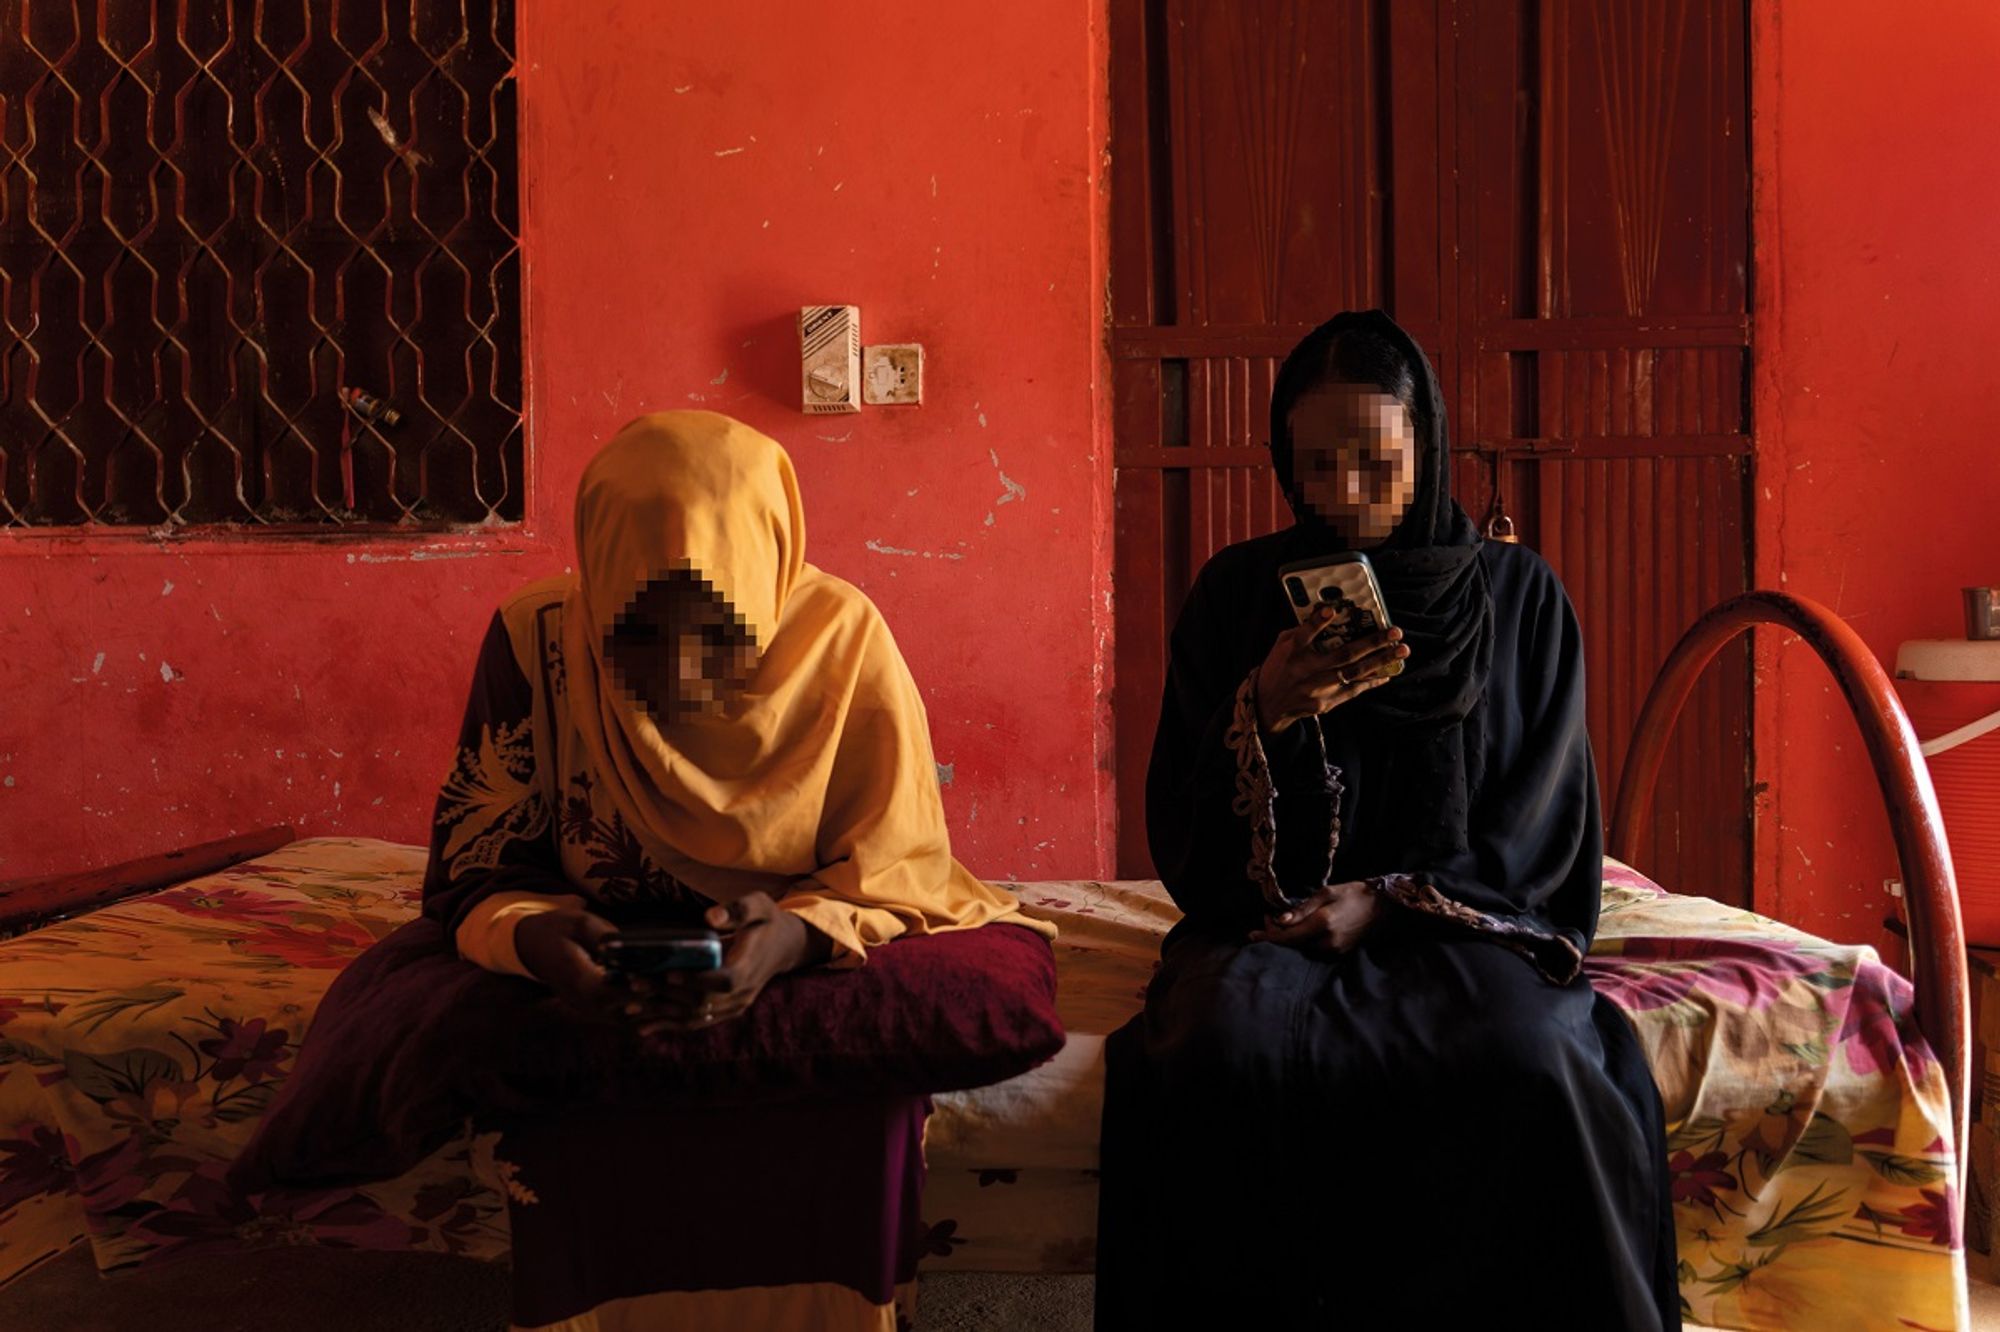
point(1346, 583)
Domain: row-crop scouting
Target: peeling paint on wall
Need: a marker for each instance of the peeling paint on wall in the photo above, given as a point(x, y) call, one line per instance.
point(881, 549)
point(1013, 490)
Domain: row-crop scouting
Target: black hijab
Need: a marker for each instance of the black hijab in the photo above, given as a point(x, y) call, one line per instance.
point(1431, 717)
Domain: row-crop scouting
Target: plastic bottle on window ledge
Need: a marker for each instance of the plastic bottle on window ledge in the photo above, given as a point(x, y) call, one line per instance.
point(370, 408)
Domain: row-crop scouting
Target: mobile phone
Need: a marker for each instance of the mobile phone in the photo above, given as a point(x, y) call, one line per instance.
point(1346, 583)
point(650, 951)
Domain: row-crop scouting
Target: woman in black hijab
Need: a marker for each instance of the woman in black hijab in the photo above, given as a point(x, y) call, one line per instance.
point(1371, 1087)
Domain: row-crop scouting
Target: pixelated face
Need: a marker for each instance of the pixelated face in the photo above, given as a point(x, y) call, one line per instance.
point(679, 649)
point(1354, 459)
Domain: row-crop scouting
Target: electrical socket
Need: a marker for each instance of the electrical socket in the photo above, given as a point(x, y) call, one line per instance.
point(892, 374)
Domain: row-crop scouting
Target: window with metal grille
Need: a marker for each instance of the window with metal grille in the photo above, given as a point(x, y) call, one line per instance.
point(259, 264)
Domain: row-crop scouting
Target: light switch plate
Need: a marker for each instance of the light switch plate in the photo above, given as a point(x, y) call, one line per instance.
point(829, 359)
point(892, 374)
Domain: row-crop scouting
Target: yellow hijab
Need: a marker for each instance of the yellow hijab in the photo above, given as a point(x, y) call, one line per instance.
point(818, 783)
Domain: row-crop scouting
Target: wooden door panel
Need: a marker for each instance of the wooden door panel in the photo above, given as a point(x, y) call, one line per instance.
point(1250, 196)
point(1142, 553)
point(1277, 175)
point(1610, 163)
point(1647, 208)
point(1171, 517)
point(1645, 391)
point(1604, 321)
point(1644, 546)
point(1552, 196)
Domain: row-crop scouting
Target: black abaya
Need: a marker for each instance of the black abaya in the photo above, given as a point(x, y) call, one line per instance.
point(1445, 1127)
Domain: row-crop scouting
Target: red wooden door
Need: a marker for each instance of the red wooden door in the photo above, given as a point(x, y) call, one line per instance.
point(1553, 197)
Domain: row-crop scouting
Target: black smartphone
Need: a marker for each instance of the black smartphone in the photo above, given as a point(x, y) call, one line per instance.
point(1345, 583)
point(652, 950)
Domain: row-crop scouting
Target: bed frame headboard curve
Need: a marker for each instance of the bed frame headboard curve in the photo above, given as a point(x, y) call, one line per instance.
point(1937, 935)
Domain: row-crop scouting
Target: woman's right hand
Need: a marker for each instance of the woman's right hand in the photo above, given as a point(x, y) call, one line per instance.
point(560, 948)
point(1297, 681)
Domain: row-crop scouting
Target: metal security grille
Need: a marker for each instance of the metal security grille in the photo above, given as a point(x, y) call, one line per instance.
point(259, 264)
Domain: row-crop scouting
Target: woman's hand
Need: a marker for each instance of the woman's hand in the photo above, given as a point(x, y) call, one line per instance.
point(764, 942)
point(1329, 922)
point(560, 948)
point(1298, 680)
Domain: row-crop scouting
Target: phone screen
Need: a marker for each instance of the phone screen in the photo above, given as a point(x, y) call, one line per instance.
point(649, 952)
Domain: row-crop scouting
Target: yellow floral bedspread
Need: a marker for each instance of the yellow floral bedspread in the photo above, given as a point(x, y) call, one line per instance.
point(1809, 1127)
point(1809, 1147)
point(138, 1045)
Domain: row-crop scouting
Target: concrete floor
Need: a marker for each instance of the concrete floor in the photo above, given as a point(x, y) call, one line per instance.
point(297, 1290)
point(327, 1290)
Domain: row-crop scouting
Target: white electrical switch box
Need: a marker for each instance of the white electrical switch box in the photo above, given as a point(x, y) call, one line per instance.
point(892, 374)
point(830, 359)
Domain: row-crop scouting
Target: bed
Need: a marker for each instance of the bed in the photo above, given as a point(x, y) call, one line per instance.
point(1811, 1123)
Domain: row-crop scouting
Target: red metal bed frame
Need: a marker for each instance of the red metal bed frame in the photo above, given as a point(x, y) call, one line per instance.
point(1937, 940)
point(1937, 936)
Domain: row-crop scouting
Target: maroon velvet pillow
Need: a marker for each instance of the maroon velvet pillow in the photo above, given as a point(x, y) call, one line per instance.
point(410, 1042)
point(928, 1013)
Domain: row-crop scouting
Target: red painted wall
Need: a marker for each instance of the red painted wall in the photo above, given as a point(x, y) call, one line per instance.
point(1876, 137)
point(693, 174)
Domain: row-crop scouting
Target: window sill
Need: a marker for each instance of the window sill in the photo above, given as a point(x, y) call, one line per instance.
point(382, 544)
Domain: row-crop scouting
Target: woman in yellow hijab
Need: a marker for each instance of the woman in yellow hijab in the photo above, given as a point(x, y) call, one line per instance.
point(701, 726)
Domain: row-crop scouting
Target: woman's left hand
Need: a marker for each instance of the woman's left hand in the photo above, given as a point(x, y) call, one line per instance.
point(762, 942)
point(1331, 921)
